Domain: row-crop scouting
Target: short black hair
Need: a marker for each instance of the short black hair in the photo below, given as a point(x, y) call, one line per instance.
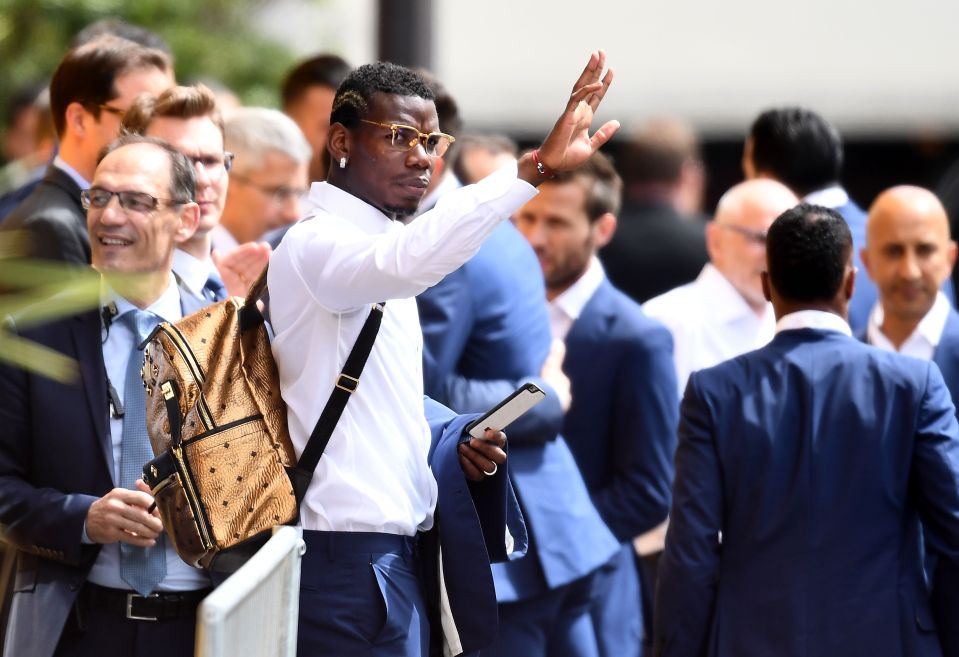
point(352, 99)
point(797, 147)
point(324, 70)
point(182, 173)
point(807, 250)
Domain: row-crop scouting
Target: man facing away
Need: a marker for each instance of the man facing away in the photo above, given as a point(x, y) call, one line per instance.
point(621, 423)
point(374, 489)
point(723, 312)
point(95, 574)
point(802, 473)
point(91, 89)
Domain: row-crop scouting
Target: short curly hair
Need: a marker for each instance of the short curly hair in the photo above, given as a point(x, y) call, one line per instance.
point(352, 99)
point(807, 250)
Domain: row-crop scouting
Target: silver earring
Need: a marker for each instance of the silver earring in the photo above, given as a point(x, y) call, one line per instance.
point(342, 162)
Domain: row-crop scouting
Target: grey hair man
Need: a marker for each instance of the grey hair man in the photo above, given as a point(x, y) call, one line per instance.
point(269, 177)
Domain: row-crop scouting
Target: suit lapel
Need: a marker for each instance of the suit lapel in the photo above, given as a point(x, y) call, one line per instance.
point(59, 178)
point(89, 353)
point(595, 316)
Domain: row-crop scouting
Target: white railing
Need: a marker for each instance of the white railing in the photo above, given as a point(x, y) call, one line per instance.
point(254, 612)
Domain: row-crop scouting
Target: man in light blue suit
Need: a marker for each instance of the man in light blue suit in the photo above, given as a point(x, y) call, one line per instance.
point(802, 472)
point(485, 333)
point(621, 424)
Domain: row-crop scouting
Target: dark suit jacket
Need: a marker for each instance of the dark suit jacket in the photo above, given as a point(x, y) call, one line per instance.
point(622, 422)
point(654, 250)
point(815, 457)
point(485, 329)
point(56, 459)
point(55, 220)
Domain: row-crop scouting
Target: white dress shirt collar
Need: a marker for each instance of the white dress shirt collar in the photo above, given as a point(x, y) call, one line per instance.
point(61, 164)
point(830, 197)
point(166, 307)
point(355, 210)
point(192, 271)
point(924, 339)
point(574, 298)
point(813, 319)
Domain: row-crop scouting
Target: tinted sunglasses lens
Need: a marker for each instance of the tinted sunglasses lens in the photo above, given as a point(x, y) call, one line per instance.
point(405, 138)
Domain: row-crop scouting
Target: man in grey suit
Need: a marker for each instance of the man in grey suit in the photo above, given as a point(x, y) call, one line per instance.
point(90, 91)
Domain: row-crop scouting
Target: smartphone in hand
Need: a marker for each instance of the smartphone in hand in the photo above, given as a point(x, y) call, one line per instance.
point(501, 415)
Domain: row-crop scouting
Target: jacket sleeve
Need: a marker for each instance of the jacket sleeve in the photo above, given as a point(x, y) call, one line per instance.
point(689, 567)
point(38, 519)
point(643, 438)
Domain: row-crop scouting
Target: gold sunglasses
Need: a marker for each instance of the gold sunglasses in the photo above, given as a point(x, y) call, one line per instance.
point(405, 138)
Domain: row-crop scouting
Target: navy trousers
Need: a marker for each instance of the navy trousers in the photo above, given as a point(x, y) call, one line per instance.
point(615, 606)
point(361, 594)
point(556, 623)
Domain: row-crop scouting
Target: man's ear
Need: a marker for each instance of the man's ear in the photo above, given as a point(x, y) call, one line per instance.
point(864, 254)
point(76, 116)
point(767, 290)
point(339, 143)
point(603, 230)
point(189, 220)
point(849, 283)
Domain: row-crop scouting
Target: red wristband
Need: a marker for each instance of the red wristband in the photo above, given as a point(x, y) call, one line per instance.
point(544, 170)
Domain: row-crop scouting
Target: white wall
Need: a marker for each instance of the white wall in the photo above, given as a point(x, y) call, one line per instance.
point(879, 66)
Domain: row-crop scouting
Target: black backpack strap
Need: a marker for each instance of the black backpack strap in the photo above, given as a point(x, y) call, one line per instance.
point(346, 384)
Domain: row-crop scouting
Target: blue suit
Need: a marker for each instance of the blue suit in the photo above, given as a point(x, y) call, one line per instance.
point(486, 331)
point(56, 459)
point(802, 471)
point(621, 427)
point(865, 295)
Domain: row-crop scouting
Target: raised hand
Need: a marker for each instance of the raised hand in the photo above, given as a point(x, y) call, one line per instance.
point(569, 144)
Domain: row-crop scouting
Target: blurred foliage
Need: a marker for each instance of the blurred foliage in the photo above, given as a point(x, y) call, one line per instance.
point(35, 292)
point(209, 39)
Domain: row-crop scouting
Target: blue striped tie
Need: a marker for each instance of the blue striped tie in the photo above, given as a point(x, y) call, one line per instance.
point(141, 568)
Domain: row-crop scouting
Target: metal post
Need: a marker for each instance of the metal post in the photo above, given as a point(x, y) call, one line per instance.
point(406, 32)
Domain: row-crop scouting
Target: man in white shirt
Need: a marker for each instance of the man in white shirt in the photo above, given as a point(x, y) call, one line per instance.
point(188, 118)
point(723, 312)
point(269, 177)
point(909, 255)
point(373, 490)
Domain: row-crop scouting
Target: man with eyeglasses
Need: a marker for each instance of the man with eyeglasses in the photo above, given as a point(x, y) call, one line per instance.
point(268, 180)
point(95, 573)
point(723, 313)
point(189, 119)
point(91, 89)
point(382, 478)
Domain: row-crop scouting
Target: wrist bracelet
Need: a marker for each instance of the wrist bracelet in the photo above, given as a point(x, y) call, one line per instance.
point(544, 171)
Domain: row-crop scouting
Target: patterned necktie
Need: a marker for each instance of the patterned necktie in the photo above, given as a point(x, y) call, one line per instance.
point(141, 568)
point(215, 290)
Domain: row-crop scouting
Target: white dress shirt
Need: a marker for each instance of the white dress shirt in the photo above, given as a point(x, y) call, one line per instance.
point(924, 339)
point(192, 272)
point(813, 319)
point(830, 197)
point(117, 345)
point(710, 322)
point(566, 307)
point(323, 278)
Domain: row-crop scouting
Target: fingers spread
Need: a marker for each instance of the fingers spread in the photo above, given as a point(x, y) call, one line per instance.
point(604, 134)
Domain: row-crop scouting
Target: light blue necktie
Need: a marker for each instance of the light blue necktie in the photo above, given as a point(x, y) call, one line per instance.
point(141, 568)
point(214, 289)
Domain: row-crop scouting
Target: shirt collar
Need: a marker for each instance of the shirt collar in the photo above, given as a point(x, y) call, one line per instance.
point(167, 307)
point(192, 271)
point(830, 197)
point(574, 298)
point(341, 203)
point(727, 304)
point(81, 182)
point(930, 327)
point(813, 319)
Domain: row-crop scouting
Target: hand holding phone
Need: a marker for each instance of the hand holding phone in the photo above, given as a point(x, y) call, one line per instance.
point(501, 415)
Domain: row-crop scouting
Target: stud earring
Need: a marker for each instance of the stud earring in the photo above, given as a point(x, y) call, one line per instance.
point(342, 162)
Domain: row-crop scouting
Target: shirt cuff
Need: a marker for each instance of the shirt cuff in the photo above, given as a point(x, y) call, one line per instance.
point(83, 536)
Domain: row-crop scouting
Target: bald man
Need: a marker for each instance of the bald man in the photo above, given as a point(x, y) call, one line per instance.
point(723, 313)
point(909, 255)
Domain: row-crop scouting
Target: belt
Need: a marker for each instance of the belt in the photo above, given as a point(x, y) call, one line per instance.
point(352, 546)
point(153, 607)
